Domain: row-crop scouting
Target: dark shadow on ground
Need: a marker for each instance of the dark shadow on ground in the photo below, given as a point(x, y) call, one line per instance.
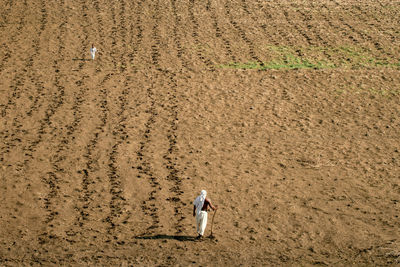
point(175, 237)
point(81, 59)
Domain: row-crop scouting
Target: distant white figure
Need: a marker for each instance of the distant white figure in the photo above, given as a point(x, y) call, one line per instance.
point(93, 51)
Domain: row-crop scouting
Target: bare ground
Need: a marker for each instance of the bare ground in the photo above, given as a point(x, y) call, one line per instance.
point(101, 160)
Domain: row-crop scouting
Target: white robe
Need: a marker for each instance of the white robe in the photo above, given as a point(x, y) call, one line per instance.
point(201, 216)
point(201, 222)
point(93, 52)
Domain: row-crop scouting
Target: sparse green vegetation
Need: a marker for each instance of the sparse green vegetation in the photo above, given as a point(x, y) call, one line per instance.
point(283, 57)
point(380, 92)
point(297, 64)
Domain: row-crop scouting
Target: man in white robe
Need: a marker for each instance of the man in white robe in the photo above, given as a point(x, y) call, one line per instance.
point(200, 208)
point(93, 51)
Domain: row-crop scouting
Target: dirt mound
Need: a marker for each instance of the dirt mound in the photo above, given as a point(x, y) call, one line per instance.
point(286, 112)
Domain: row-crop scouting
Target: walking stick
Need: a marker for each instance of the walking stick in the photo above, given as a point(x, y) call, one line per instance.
point(212, 223)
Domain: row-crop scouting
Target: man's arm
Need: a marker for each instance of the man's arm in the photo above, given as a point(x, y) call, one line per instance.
point(212, 206)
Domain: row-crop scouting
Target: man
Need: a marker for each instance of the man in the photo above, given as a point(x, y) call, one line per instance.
point(93, 51)
point(200, 208)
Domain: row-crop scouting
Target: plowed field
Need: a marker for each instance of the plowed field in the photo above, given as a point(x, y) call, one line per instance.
point(286, 112)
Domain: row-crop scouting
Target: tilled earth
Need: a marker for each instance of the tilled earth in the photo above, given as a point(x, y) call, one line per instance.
point(286, 112)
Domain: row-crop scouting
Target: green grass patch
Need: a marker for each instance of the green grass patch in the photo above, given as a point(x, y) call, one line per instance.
point(274, 65)
point(372, 91)
point(315, 57)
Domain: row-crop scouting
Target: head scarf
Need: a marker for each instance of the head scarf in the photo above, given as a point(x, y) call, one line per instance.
point(199, 201)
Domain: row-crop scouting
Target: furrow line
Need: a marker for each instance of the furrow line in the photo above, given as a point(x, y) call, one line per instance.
point(18, 31)
point(52, 178)
point(144, 167)
point(362, 35)
point(5, 10)
point(365, 19)
point(267, 28)
point(52, 181)
point(317, 34)
point(219, 32)
point(87, 182)
point(11, 134)
point(122, 30)
point(34, 75)
point(171, 154)
point(295, 25)
point(337, 28)
point(99, 19)
point(118, 202)
point(245, 7)
point(100, 26)
point(242, 34)
point(200, 49)
point(155, 48)
point(114, 32)
point(138, 39)
point(19, 79)
point(178, 37)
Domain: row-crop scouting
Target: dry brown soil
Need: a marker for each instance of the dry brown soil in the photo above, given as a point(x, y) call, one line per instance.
point(100, 160)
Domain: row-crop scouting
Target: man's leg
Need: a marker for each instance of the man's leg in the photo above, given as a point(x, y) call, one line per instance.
point(198, 222)
point(203, 222)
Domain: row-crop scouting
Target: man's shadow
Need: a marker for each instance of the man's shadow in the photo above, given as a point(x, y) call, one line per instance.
point(174, 237)
point(81, 59)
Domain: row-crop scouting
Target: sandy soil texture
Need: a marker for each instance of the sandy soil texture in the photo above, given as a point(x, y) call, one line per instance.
point(286, 112)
